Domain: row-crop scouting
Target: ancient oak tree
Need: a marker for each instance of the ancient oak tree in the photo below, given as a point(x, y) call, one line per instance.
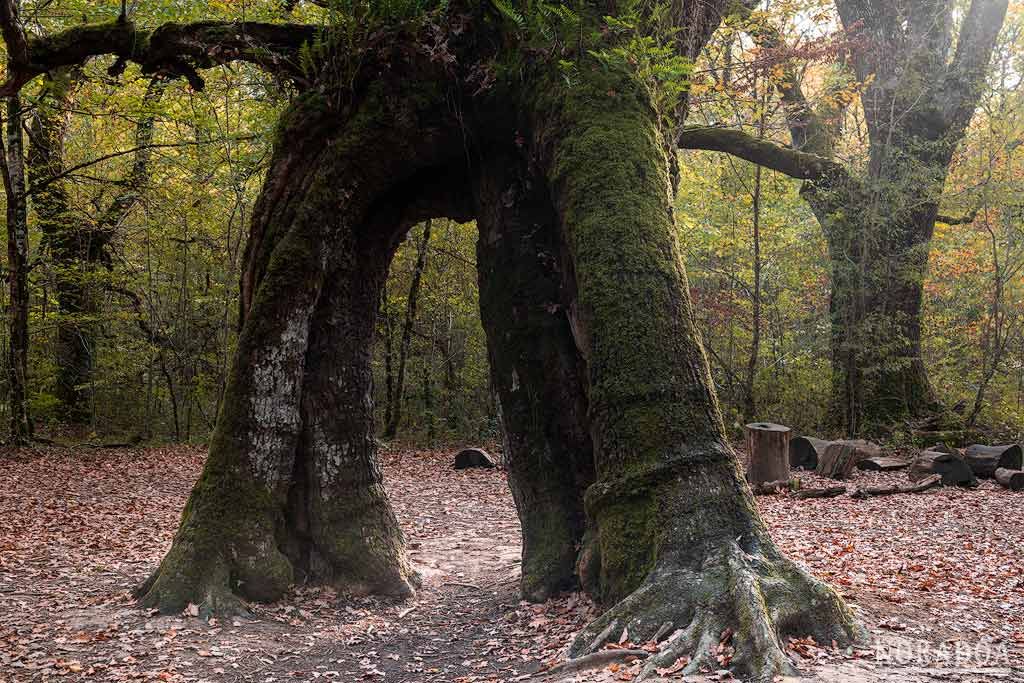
point(539, 126)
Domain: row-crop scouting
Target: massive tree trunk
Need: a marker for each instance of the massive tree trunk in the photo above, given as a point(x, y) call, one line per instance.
point(681, 542)
point(917, 104)
point(292, 487)
point(878, 258)
point(919, 96)
point(536, 371)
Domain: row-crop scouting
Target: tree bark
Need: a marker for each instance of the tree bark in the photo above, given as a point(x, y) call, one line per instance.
point(17, 275)
point(985, 460)
point(537, 372)
point(950, 465)
point(1010, 479)
point(680, 538)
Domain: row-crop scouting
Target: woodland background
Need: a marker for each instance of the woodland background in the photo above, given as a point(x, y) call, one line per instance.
point(161, 317)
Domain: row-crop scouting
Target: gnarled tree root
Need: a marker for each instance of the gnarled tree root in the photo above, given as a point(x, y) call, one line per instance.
point(749, 601)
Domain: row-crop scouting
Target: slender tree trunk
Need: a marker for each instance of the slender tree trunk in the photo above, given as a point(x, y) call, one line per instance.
point(428, 392)
point(410, 320)
point(389, 378)
point(78, 244)
point(17, 274)
point(749, 406)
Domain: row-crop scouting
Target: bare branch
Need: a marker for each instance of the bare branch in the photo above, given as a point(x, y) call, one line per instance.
point(796, 164)
point(120, 153)
point(957, 220)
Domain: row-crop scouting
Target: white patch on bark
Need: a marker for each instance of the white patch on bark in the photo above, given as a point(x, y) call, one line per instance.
point(274, 406)
point(330, 458)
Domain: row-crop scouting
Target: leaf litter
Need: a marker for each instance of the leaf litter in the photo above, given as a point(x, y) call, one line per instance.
point(80, 528)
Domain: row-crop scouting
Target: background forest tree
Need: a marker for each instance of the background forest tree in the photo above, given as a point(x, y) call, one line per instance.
point(163, 321)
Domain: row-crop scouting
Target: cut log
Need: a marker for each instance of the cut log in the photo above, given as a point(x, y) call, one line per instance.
point(985, 460)
point(929, 482)
point(768, 446)
point(1011, 479)
point(838, 460)
point(883, 463)
point(805, 451)
point(953, 469)
point(830, 492)
point(472, 457)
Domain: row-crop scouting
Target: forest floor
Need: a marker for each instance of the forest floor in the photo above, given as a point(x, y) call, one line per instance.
point(937, 577)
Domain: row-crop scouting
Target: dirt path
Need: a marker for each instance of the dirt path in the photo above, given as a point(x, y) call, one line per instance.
point(77, 529)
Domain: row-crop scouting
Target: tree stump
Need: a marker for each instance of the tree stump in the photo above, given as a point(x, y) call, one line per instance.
point(1011, 479)
point(951, 466)
point(839, 459)
point(473, 457)
point(768, 445)
point(985, 460)
point(805, 451)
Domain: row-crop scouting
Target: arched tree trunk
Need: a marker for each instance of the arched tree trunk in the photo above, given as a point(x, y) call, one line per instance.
point(681, 542)
point(291, 486)
point(536, 370)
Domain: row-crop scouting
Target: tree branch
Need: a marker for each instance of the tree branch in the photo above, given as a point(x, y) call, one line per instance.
point(957, 220)
point(802, 165)
point(13, 32)
point(172, 49)
point(966, 74)
point(120, 153)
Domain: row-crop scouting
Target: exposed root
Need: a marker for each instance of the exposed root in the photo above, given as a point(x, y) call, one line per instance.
point(731, 611)
point(596, 660)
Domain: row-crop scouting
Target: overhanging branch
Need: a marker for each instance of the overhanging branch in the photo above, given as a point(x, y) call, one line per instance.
point(793, 163)
point(172, 49)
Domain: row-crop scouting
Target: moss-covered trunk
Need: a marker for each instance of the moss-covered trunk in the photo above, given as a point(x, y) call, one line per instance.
point(683, 550)
point(525, 296)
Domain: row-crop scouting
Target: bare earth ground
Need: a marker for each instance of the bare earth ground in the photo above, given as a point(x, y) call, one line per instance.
point(938, 578)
